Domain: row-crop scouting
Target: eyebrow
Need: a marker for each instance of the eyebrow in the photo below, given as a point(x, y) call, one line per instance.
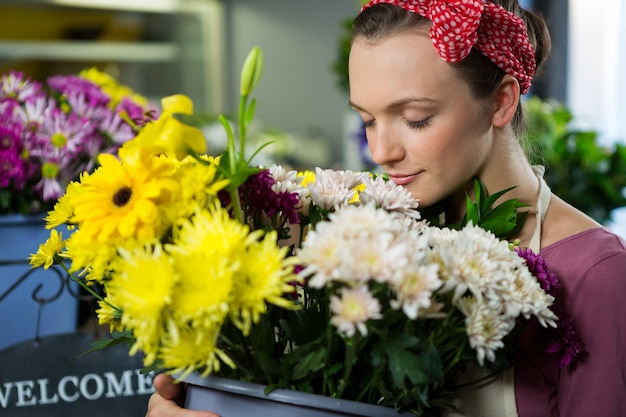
point(398, 103)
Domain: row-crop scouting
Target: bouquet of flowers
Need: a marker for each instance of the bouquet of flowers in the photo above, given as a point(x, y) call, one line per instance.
point(325, 281)
point(50, 133)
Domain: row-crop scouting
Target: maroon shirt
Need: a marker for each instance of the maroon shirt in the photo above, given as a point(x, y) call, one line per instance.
point(591, 267)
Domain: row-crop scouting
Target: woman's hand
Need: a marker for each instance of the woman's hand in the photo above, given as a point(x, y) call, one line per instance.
point(166, 401)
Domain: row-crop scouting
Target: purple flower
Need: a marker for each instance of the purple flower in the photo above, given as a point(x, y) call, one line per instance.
point(568, 345)
point(135, 112)
point(73, 86)
point(12, 165)
point(16, 87)
point(115, 130)
point(260, 198)
point(539, 268)
point(33, 112)
point(11, 168)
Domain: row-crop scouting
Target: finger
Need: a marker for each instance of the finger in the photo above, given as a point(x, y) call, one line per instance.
point(167, 388)
point(160, 407)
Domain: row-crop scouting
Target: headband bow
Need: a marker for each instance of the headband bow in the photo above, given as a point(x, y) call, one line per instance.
point(460, 25)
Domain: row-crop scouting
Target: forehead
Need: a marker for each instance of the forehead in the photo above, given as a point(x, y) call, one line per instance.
point(403, 63)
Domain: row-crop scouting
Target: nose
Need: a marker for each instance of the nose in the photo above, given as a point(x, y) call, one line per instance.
point(384, 146)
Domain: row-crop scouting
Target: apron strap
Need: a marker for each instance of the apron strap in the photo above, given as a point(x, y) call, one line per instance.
point(543, 202)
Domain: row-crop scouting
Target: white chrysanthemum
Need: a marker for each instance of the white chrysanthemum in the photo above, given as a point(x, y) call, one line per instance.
point(290, 182)
point(321, 253)
point(524, 296)
point(466, 261)
point(415, 289)
point(485, 327)
point(352, 309)
point(369, 257)
point(285, 181)
point(390, 196)
point(357, 243)
point(333, 188)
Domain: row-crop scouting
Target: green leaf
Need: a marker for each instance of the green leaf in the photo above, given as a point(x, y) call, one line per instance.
point(473, 212)
point(503, 220)
point(247, 119)
point(115, 339)
point(402, 363)
point(311, 362)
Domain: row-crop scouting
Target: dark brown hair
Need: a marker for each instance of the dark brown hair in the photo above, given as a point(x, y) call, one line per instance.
point(482, 75)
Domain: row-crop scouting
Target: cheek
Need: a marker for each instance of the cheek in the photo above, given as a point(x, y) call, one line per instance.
point(451, 158)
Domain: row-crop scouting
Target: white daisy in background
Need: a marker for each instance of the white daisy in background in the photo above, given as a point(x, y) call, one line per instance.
point(352, 309)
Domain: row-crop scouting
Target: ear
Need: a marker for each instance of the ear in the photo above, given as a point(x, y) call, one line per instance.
point(505, 100)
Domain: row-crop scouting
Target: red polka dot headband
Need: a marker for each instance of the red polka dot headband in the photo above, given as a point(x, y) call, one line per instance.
point(459, 25)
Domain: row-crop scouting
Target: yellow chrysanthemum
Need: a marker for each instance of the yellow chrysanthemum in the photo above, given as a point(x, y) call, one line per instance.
point(141, 286)
point(212, 231)
point(121, 200)
point(199, 185)
point(93, 258)
point(204, 291)
point(186, 349)
point(107, 314)
point(210, 251)
point(48, 251)
point(265, 276)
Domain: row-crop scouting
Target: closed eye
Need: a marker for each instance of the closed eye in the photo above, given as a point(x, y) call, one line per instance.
point(419, 124)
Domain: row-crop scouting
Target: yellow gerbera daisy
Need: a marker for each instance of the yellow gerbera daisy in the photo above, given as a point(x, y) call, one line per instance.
point(123, 200)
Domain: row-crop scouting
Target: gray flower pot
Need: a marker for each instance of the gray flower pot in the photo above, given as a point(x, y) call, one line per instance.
point(232, 398)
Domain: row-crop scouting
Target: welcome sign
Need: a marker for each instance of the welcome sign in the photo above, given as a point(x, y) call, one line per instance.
point(55, 379)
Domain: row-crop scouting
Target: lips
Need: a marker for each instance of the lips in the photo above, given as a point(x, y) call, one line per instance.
point(403, 179)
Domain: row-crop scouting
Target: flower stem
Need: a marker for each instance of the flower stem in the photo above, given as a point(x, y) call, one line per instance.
point(86, 287)
point(351, 356)
point(243, 101)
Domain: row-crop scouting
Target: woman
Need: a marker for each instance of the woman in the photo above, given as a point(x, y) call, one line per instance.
point(438, 86)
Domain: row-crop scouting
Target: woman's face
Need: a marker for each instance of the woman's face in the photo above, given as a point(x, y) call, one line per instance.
point(423, 126)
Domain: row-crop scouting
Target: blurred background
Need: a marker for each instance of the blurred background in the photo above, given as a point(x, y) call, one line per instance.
point(196, 47)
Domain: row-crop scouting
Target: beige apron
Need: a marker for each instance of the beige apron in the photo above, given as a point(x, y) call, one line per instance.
point(496, 396)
